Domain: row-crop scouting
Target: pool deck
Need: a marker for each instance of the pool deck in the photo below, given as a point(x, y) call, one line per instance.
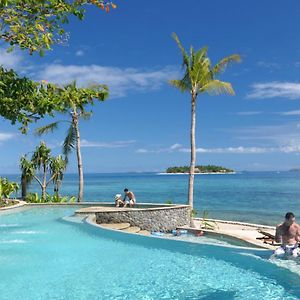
point(243, 231)
point(247, 232)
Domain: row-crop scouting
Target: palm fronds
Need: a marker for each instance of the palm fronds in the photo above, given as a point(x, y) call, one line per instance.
point(217, 87)
point(69, 142)
point(47, 128)
point(221, 66)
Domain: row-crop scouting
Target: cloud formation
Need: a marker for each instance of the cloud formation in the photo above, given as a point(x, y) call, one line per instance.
point(10, 60)
point(121, 81)
point(248, 113)
point(5, 136)
point(115, 144)
point(275, 89)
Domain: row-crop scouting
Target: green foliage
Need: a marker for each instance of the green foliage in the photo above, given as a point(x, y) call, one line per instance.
point(42, 160)
point(200, 169)
point(38, 24)
point(24, 101)
point(193, 213)
point(211, 225)
point(7, 188)
point(34, 198)
point(169, 201)
point(199, 74)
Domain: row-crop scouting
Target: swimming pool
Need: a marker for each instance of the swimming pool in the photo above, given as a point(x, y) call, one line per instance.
point(42, 256)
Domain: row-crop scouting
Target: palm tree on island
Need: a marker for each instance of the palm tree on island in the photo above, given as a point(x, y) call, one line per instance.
point(200, 77)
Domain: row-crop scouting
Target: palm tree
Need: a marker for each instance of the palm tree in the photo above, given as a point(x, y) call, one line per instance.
point(75, 99)
point(57, 168)
point(27, 170)
point(43, 161)
point(200, 77)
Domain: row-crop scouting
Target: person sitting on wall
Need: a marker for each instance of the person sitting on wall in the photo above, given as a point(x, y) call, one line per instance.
point(119, 201)
point(288, 234)
point(129, 198)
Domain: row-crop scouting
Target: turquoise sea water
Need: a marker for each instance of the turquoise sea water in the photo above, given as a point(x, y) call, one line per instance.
point(42, 256)
point(260, 197)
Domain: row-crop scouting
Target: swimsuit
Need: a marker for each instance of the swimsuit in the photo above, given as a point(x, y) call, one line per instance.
point(287, 249)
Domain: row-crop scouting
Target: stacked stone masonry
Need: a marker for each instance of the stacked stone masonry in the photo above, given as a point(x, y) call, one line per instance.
point(160, 219)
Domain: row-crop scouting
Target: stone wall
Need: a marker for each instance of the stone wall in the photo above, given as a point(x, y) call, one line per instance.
point(152, 219)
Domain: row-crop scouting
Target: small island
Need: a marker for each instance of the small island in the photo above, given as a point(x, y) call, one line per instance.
point(209, 169)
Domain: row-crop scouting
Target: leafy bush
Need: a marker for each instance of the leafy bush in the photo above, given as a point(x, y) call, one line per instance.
point(7, 188)
point(35, 198)
point(211, 225)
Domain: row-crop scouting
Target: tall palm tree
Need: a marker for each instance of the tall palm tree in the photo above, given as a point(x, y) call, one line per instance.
point(75, 99)
point(200, 77)
point(27, 170)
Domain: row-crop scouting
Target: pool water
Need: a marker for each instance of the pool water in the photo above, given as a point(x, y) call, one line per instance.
point(43, 256)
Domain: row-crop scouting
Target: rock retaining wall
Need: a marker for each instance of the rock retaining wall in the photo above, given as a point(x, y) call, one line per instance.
point(152, 219)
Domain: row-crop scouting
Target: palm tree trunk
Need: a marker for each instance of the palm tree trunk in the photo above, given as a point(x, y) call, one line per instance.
point(193, 152)
point(79, 158)
point(44, 185)
point(24, 186)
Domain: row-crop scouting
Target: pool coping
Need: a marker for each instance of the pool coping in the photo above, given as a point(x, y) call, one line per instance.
point(19, 204)
point(91, 220)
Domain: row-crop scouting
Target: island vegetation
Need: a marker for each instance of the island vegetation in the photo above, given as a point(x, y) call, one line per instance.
point(210, 169)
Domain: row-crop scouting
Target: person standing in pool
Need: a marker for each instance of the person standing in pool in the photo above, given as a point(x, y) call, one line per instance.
point(131, 198)
point(288, 234)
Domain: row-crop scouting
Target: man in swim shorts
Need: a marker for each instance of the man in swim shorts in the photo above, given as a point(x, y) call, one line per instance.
point(131, 198)
point(288, 234)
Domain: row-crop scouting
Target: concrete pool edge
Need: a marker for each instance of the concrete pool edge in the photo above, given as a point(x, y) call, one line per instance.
point(19, 204)
point(91, 220)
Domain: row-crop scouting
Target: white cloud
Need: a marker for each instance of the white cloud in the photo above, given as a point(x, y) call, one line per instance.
point(10, 60)
point(236, 150)
point(248, 113)
point(289, 90)
point(5, 136)
point(142, 150)
point(170, 149)
point(115, 144)
point(175, 146)
point(292, 147)
point(79, 53)
point(268, 65)
point(120, 81)
point(290, 113)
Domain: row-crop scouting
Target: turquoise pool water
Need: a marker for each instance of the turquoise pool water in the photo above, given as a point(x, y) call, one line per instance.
point(42, 256)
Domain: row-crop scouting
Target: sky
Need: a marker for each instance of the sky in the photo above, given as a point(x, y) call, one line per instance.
point(145, 123)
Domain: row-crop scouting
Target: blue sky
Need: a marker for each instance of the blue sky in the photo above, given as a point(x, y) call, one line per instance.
point(144, 125)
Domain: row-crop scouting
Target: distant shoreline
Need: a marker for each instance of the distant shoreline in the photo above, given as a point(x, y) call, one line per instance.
point(205, 173)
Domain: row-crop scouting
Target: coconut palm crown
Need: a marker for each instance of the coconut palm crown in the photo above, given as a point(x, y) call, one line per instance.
point(200, 76)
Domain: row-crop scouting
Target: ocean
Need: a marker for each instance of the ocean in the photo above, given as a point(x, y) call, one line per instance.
point(256, 197)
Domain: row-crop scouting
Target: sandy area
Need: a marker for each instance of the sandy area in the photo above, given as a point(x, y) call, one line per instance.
point(243, 231)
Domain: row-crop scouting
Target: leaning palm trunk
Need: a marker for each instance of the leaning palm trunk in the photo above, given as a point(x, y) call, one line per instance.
point(193, 152)
point(79, 159)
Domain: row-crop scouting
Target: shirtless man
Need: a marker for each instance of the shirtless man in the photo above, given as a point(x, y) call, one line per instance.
point(131, 198)
point(288, 234)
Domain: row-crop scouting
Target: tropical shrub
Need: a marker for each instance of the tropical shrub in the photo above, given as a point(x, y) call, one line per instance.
point(35, 198)
point(7, 188)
